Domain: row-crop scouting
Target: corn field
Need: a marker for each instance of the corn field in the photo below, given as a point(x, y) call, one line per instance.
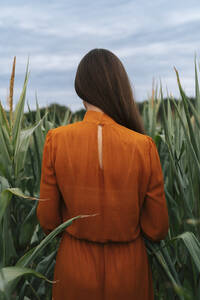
point(27, 256)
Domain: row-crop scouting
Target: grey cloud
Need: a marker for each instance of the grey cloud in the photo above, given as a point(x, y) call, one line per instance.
point(149, 37)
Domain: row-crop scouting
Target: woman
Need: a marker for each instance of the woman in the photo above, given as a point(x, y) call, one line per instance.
point(103, 165)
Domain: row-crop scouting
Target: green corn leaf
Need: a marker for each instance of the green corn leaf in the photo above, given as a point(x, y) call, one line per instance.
point(22, 147)
point(33, 254)
point(187, 114)
point(3, 118)
point(197, 91)
point(5, 154)
point(18, 115)
point(6, 196)
point(190, 145)
point(9, 274)
point(193, 246)
point(27, 227)
point(4, 184)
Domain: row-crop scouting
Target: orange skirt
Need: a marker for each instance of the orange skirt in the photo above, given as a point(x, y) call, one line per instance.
point(102, 271)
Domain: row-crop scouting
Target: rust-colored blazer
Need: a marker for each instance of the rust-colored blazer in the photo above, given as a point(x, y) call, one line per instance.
point(114, 172)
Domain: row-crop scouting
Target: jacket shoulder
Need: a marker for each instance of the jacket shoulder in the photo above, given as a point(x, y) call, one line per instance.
point(65, 128)
point(135, 136)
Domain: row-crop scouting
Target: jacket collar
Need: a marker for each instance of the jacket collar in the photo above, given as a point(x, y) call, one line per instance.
point(98, 117)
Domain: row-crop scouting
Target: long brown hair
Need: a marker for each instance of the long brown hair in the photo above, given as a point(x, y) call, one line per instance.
point(101, 80)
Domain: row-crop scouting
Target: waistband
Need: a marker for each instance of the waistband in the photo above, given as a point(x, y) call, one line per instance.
point(101, 242)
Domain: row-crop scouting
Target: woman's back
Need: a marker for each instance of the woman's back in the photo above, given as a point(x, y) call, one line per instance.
point(109, 175)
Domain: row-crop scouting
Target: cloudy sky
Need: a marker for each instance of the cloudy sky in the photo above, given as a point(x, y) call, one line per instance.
point(150, 37)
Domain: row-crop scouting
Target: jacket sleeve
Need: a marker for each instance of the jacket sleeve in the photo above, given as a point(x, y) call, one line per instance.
point(154, 219)
point(48, 209)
